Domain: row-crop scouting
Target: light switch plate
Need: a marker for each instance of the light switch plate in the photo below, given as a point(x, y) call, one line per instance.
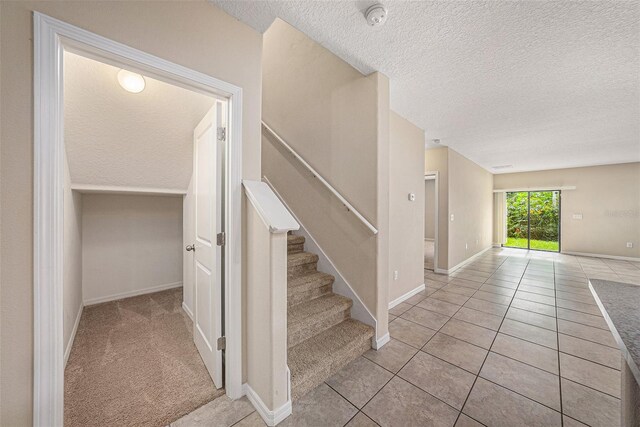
point(577, 216)
point(412, 197)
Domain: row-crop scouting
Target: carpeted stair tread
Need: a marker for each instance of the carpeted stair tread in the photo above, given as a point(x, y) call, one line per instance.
point(312, 317)
point(295, 244)
point(311, 277)
point(301, 263)
point(309, 286)
point(319, 307)
point(301, 258)
point(293, 239)
point(321, 336)
point(314, 360)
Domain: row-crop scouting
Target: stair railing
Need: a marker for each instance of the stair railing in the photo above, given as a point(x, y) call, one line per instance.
point(324, 182)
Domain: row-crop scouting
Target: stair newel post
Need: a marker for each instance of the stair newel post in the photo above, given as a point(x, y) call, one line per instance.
point(268, 377)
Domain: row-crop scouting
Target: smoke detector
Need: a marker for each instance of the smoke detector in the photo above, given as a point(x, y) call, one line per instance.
point(376, 15)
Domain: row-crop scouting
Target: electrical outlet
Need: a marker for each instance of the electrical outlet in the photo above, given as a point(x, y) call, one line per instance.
point(629, 244)
point(395, 275)
point(451, 217)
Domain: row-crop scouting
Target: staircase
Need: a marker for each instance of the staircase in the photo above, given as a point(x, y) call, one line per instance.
point(322, 336)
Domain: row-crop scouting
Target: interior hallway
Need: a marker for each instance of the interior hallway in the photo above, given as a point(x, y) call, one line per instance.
point(428, 254)
point(512, 338)
point(133, 362)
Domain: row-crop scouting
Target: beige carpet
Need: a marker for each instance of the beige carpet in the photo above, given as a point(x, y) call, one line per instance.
point(134, 363)
point(428, 254)
point(321, 335)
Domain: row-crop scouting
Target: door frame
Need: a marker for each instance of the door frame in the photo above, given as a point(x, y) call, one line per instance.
point(51, 38)
point(433, 175)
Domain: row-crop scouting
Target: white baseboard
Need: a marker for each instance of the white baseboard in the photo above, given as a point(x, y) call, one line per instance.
point(429, 239)
point(187, 310)
point(496, 245)
point(406, 296)
point(271, 418)
point(377, 344)
point(72, 338)
point(121, 295)
point(466, 261)
point(618, 257)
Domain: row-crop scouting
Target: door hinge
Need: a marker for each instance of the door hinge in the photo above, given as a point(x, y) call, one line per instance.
point(222, 343)
point(221, 239)
point(222, 134)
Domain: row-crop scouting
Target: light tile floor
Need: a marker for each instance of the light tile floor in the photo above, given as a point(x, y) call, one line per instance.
point(513, 338)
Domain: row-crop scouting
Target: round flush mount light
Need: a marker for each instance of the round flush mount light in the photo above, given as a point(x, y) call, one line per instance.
point(376, 15)
point(435, 141)
point(131, 82)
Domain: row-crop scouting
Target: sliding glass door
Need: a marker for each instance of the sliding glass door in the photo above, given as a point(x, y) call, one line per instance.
point(533, 220)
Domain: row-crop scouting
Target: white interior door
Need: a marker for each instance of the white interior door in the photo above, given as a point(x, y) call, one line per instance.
point(207, 320)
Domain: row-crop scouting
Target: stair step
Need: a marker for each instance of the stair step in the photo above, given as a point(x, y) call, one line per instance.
point(309, 286)
point(313, 361)
point(300, 264)
point(295, 244)
point(312, 317)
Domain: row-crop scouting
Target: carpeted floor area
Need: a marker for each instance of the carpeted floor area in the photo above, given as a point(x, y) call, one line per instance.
point(134, 363)
point(428, 254)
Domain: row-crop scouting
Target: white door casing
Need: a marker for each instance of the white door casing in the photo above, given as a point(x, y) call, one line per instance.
point(50, 38)
point(207, 327)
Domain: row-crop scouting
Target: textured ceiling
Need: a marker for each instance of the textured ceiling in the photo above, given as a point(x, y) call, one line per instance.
point(117, 138)
point(533, 84)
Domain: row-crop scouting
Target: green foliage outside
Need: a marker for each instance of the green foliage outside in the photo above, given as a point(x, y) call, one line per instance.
point(540, 245)
point(544, 219)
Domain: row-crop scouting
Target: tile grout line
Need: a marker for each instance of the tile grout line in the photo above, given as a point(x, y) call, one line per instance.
point(558, 344)
point(444, 284)
point(420, 349)
point(489, 350)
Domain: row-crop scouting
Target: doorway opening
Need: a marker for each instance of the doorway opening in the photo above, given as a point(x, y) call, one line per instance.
point(533, 220)
point(215, 226)
point(144, 179)
point(431, 221)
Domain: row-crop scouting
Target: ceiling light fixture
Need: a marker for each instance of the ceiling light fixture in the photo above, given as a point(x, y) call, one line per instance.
point(435, 141)
point(376, 15)
point(131, 82)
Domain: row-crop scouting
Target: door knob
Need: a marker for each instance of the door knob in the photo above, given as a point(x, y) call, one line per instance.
point(191, 248)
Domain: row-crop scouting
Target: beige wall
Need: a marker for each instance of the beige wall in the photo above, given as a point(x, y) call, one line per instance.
point(465, 190)
point(72, 270)
point(325, 109)
point(429, 209)
point(608, 197)
point(437, 160)
point(471, 204)
point(383, 277)
point(266, 300)
point(194, 34)
point(406, 218)
point(130, 244)
point(337, 120)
